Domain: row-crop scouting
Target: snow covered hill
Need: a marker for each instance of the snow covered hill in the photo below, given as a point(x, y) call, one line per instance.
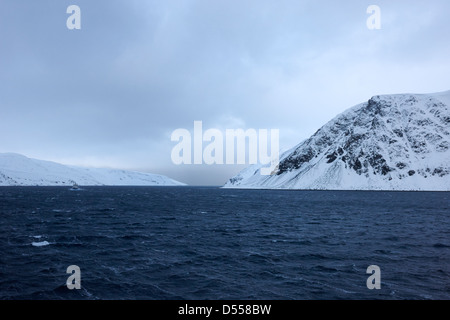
point(391, 142)
point(18, 170)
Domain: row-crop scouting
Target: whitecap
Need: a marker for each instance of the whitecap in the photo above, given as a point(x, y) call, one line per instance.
point(40, 244)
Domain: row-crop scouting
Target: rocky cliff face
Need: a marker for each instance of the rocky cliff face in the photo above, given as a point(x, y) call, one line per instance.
point(391, 142)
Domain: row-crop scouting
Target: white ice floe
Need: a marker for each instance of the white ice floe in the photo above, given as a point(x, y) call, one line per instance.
point(40, 244)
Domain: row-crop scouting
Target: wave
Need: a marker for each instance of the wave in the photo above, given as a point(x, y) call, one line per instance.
point(40, 244)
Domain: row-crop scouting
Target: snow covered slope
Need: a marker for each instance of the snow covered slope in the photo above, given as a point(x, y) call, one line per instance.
point(18, 170)
point(391, 142)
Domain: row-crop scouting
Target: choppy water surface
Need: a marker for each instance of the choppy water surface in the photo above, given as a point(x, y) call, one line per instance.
point(212, 243)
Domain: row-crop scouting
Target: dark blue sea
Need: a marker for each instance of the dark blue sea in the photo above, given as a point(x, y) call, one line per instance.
point(213, 243)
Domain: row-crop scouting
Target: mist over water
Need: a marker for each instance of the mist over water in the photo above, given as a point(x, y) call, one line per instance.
point(212, 243)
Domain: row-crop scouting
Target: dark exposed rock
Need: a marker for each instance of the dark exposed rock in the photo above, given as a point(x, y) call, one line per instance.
point(331, 157)
point(443, 146)
point(379, 164)
point(294, 162)
point(353, 140)
point(398, 132)
point(440, 172)
point(235, 179)
point(357, 165)
point(401, 165)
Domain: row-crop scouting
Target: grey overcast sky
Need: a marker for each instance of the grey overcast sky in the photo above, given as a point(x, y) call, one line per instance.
point(111, 93)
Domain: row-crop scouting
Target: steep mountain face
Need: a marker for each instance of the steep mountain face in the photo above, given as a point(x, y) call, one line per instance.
point(18, 170)
point(391, 142)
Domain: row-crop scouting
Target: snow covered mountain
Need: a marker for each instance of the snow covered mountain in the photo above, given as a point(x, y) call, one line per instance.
point(18, 170)
point(391, 142)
